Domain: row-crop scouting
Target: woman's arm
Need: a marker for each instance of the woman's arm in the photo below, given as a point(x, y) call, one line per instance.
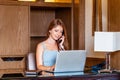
point(39, 60)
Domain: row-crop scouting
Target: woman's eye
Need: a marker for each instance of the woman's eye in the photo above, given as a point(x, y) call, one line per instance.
point(56, 30)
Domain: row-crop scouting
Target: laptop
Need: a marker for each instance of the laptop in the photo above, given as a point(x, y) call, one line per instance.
point(70, 61)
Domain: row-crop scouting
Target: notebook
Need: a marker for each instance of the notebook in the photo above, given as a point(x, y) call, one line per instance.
point(70, 61)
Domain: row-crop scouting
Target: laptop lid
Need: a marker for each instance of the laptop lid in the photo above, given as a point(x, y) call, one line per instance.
point(70, 61)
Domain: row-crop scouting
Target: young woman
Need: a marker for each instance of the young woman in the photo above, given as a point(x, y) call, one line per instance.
point(47, 50)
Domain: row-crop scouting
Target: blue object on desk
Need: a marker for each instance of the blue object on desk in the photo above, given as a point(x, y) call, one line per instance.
point(97, 67)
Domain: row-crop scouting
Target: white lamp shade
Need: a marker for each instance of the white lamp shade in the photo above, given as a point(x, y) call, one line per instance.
point(118, 40)
point(107, 41)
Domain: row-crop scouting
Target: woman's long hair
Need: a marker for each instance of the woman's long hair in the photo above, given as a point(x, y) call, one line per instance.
point(52, 25)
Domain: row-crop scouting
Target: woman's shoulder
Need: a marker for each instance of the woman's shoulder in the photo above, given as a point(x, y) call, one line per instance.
point(41, 44)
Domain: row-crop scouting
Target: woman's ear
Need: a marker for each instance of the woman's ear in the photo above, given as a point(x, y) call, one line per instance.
point(49, 31)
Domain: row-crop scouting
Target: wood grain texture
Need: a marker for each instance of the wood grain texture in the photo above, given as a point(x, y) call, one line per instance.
point(12, 64)
point(99, 15)
point(90, 61)
point(40, 19)
point(14, 33)
point(11, 71)
point(114, 25)
point(93, 17)
point(40, 4)
point(81, 31)
point(96, 16)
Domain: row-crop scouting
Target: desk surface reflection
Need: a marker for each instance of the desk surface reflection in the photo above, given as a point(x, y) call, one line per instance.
point(62, 73)
point(66, 76)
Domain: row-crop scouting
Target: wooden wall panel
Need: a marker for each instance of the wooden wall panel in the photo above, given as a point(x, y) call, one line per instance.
point(114, 25)
point(14, 33)
point(114, 15)
point(81, 24)
point(40, 19)
point(76, 15)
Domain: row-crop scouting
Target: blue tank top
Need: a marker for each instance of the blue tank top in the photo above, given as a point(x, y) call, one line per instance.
point(49, 56)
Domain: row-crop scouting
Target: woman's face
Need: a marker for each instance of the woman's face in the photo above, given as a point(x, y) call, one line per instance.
point(56, 32)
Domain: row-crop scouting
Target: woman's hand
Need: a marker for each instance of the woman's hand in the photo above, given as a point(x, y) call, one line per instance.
point(62, 40)
point(51, 68)
point(61, 43)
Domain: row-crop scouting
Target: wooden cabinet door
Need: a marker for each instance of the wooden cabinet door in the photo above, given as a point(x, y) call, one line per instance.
point(14, 31)
point(114, 26)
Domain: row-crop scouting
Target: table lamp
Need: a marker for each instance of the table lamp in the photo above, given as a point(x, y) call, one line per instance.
point(107, 42)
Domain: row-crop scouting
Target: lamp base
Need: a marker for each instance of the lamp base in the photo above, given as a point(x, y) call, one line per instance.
point(108, 68)
point(105, 71)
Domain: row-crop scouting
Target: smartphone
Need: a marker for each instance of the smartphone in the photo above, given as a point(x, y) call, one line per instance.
point(60, 40)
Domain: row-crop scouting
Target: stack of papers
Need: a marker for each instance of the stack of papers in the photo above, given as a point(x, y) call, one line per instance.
point(31, 73)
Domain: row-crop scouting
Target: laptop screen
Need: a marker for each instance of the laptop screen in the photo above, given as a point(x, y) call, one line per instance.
point(70, 60)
